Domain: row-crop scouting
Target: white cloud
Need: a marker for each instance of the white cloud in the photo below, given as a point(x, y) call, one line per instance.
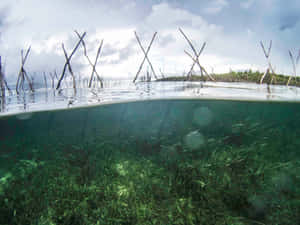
point(246, 4)
point(166, 20)
point(216, 6)
point(46, 25)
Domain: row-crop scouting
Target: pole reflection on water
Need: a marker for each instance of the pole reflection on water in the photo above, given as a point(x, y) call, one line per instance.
point(124, 90)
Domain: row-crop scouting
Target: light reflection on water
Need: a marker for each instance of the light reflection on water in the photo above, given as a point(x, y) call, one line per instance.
point(46, 99)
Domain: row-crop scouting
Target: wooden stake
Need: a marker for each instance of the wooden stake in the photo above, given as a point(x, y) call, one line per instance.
point(55, 74)
point(67, 64)
point(52, 76)
point(23, 74)
point(45, 80)
point(2, 84)
point(295, 64)
point(196, 59)
point(162, 74)
point(94, 71)
point(145, 57)
point(270, 68)
point(3, 74)
point(69, 68)
point(201, 67)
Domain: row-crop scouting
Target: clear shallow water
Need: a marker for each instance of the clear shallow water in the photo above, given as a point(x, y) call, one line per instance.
point(122, 91)
point(182, 154)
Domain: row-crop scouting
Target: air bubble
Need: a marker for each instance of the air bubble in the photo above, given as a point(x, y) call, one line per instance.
point(194, 140)
point(202, 116)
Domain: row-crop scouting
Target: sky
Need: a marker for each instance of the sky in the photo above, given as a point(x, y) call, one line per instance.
point(232, 30)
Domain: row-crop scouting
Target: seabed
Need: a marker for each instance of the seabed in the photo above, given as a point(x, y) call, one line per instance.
point(186, 161)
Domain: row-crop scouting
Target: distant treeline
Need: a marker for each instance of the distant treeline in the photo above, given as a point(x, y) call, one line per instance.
point(240, 76)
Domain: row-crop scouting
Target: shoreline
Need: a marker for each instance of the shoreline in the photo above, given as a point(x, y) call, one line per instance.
point(235, 77)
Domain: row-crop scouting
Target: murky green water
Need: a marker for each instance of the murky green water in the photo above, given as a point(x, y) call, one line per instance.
point(153, 162)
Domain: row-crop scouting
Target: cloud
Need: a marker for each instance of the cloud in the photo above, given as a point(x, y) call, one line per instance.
point(38, 26)
point(246, 4)
point(166, 39)
point(216, 6)
point(3, 19)
point(175, 17)
point(232, 30)
point(279, 14)
point(288, 21)
point(112, 54)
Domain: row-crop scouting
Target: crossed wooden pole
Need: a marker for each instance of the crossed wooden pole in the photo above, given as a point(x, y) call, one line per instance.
point(93, 65)
point(68, 63)
point(45, 80)
point(52, 76)
point(3, 83)
point(145, 56)
point(295, 64)
point(270, 68)
point(23, 74)
point(196, 58)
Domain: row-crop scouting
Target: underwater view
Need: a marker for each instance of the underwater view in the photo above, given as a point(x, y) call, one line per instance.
point(157, 112)
point(152, 161)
